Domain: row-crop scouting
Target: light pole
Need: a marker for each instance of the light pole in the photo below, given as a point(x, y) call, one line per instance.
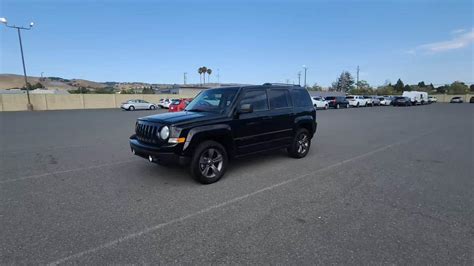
point(29, 106)
point(299, 78)
point(305, 70)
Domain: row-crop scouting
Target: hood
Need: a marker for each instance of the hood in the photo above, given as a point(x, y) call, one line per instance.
point(181, 117)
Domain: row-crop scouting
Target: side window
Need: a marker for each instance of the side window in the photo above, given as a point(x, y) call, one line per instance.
point(258, 99)
point(301, 98)
point(279, 99)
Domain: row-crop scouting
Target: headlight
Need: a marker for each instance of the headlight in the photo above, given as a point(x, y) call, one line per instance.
point(164, 132)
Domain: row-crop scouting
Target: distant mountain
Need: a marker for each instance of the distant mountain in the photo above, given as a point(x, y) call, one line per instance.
point(10, 81)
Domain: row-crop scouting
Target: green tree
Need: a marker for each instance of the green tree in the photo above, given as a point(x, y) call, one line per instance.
point(362, 88)
point(442, 89)
point(431, 87)
point(315, 87)
point(344, 83)
point(399, 86)
point(204, 71)
point(385, 90)
point(209, 72)
point(407, 88)
point(127, 91)
point(471, 88)
point(421, 84)
point(148, 90)
point(104, 90)
point(200, 75)
point(458, 87)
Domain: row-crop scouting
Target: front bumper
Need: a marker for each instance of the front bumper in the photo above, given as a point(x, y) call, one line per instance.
point(163, 155)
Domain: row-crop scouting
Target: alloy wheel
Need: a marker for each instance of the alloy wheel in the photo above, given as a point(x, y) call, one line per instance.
point(211, 162)
point(303, 143)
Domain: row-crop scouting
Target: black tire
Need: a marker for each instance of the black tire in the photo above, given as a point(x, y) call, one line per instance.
point(206, 156)
point(131, 108)
point(357, 104)
point(300, 145)
point(152, 107)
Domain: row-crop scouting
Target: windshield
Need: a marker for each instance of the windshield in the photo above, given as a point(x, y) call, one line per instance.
point(213, 100)
point(176, 102)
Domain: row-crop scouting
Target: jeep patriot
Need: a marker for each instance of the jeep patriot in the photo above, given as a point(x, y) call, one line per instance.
point(224, 123)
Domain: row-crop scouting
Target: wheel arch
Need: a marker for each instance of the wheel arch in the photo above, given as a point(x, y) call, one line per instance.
point(220, 133)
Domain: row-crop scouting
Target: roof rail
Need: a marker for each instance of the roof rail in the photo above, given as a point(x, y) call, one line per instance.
point(279, 84)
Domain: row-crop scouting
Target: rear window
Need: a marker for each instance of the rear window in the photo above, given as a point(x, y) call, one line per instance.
point(301, 98)
point(330, 98)
point(279, 99)
point(350, 97)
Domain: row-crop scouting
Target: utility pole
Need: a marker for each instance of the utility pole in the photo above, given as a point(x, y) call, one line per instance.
point(218, 76)
point(185, 78)
point(29, 106)
point(357, 84)
point(305, 70)
point(299, 78)
point(287, 81)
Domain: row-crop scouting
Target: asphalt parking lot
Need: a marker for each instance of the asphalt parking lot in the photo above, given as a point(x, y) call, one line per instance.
point(381, 185)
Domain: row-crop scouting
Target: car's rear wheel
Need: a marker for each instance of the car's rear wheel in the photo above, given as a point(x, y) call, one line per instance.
point(131, 108)
point(209, 162)
point(152, 107)
point(301, 144)
point(326, 107)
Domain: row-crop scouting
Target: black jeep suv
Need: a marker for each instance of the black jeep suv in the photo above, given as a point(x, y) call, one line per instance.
point(229, 122)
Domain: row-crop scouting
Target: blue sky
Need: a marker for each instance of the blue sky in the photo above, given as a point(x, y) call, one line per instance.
point(248, 41)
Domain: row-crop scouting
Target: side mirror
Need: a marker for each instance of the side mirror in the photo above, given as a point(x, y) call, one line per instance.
point(245, 108)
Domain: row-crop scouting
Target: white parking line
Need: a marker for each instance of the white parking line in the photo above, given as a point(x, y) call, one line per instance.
point(66, 171)
point(225, 203)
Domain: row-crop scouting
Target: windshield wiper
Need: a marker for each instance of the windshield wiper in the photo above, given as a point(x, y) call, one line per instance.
point(195, 110)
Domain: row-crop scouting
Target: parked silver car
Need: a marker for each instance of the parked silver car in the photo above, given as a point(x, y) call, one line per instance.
point(136, 104)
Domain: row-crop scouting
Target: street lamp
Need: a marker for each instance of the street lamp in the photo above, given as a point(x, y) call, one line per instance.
point(29, 106)
point(305, 70)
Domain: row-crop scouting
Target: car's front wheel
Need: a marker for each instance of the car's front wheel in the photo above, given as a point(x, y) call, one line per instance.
point(301, 143)
point(131, 108)
point(209, 162)
point(152, 107)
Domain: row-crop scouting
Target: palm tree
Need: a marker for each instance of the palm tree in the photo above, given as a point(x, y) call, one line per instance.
point(209, 71)
point(204, 70)
point(200, 74)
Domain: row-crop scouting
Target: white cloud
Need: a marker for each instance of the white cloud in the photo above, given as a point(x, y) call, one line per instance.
point(458, 31)
point(461, 40)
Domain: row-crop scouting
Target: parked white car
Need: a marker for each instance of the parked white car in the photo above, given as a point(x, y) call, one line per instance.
point(131, 105)
point(432, 99)
point(164, 102)
point(320, 103)
point(416, 97)
point(385, 101)
point(356, 100)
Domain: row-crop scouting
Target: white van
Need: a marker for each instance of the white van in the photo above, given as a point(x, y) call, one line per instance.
point(417, 97)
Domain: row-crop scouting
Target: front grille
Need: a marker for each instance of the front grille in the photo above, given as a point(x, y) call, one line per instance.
point(148, 132)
